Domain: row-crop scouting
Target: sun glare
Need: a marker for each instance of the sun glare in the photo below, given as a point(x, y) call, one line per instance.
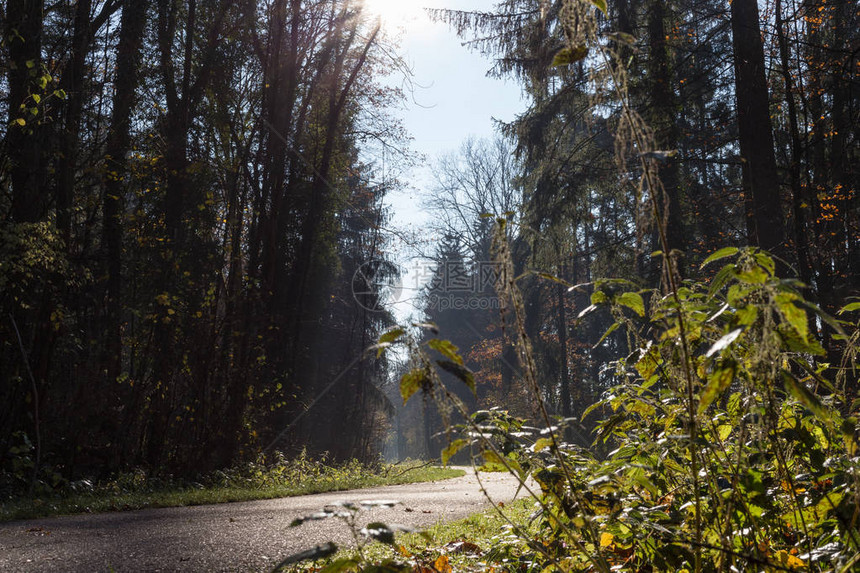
point(392, 12)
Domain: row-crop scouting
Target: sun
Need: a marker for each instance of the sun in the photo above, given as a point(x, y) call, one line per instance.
point(392, 12)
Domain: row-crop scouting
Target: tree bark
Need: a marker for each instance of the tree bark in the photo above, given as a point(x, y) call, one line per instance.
point(663, 107)
point(132, 24)
point(761, 180)
point(27, 154)
point(801, 245)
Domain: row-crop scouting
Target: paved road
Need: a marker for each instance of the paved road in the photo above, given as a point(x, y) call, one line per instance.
point(241, 537)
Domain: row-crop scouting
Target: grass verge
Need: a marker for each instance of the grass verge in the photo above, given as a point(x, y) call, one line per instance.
point(482, 542)
point(251, 482)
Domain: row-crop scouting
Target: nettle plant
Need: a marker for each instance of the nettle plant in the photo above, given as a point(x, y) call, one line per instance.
point(732, 445)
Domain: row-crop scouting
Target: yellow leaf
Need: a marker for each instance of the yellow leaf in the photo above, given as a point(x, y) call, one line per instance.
point(606, 539)
point(21, 121)
point(441, 564)
point(542, 443)
point(785, 558)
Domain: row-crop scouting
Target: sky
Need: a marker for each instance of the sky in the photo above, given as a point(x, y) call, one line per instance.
point(452, 100)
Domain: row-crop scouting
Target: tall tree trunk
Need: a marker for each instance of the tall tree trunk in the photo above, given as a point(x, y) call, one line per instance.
point(132, 24)
point(761, 180)
point(663, 107)
point(73, 83)
point(798, 197)
point(25, 147)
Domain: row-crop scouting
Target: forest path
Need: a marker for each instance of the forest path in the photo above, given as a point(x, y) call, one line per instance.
point(241, 537)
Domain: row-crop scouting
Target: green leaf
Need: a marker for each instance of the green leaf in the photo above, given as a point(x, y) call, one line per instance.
point(737, 293)
point(567, 56)
point(391, 335)
point(720, 279)
point(598, 297)
point(553, 278)
point(851, 307)
point(387, 339)
point(724, 431)
point(649, 361)
point(849, 430)
point(492, 457)
point(829, 320)
point(590, 409)
point(638, 475)
point(447, 349)
point(721, 254)
point(766, 262)
point(755, 275)
point(452, 449)
point(413, 381)
point(718, 381)
point(600, 4)
point(795, 316)
point(803, 395)
point(794, 343)
point(380, 348)
point(460, 371)
point(541, 444)
point(632, 301)
point(747, 315)
point(607, 426)
point(36, 98)
point(609, 331)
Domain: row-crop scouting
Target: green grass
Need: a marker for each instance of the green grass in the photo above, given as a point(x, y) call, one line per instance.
point(250, 482)
point(477, 543)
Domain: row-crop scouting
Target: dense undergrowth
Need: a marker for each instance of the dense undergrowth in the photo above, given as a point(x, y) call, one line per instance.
point(729, 442)
point(279, 477)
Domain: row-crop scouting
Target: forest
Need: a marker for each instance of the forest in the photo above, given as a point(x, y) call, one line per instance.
point(187, 198)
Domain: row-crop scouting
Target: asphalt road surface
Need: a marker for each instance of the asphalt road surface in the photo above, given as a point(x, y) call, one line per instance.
point(242, 537)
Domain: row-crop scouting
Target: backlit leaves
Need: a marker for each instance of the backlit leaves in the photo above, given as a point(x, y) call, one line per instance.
point(447, 349)
point(719, 380)
point(632, 301)
point(720, 254)
point(413, 381)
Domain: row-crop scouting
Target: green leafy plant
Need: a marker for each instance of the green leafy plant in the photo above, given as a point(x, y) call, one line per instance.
point(734, 450)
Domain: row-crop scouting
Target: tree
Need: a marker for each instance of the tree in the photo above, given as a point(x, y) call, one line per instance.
point(192, 166)
point(755, 133)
